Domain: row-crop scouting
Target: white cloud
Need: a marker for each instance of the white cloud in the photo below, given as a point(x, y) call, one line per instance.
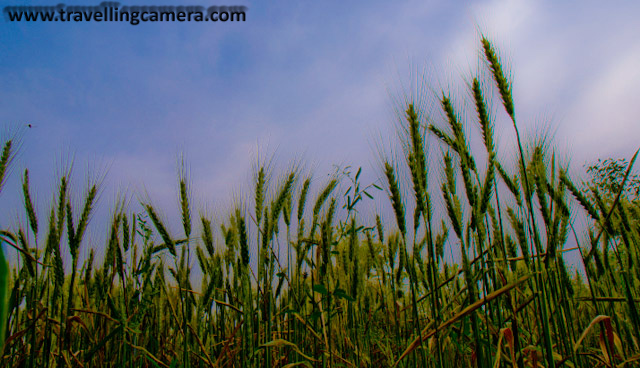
point(606, 114)
point(505, 23)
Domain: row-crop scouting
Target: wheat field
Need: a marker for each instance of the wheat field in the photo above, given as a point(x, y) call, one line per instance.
point(330, 289)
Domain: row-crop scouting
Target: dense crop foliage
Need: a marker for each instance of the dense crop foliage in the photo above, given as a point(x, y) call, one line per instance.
point(300, 280)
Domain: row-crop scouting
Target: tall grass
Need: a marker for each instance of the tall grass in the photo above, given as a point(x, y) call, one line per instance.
point(302, 279)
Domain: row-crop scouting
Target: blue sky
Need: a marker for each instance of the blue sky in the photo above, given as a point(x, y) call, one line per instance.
point(310, 80)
